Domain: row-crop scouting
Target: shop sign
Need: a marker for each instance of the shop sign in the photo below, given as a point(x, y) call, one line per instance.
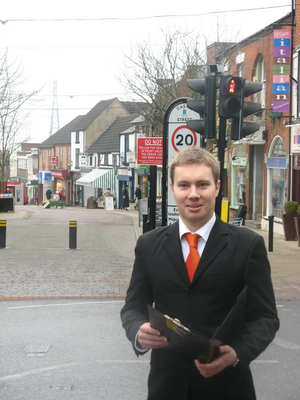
point(53, 161)
point(82, 160)
point(59, 174)
point(281, 70)
point(239, 161)
point(127, 172)
point(276, 162)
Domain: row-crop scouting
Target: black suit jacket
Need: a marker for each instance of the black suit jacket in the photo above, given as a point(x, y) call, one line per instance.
point(233, 257)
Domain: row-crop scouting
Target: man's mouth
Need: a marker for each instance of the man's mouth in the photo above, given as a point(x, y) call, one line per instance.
point(194, 206)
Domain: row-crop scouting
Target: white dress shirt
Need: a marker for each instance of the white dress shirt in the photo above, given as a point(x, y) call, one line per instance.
point(204, 232)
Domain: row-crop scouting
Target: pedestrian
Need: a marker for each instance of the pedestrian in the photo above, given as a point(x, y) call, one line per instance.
point(107, 193)
point(125, 198)
point(138, 192)
point(138, 196)
point(48, 194)
point(62, 196)
point(230, 259)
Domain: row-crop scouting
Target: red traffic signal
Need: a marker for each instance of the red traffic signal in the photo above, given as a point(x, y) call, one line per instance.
point(230, 96)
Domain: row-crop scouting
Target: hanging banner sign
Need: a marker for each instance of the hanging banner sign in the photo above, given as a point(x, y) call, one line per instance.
point(281, 70)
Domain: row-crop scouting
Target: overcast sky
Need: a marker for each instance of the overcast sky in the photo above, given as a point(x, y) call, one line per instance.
point(85, 57)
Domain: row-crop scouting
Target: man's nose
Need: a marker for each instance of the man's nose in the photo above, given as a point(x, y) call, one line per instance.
point(194, 191)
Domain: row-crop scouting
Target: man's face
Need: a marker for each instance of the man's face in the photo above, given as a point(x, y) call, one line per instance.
point(195, 193)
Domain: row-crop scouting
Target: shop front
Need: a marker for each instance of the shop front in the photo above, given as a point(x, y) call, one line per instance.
point(94, 183)
point(277, 176)
point(45, 182)
point(61, 182)
point(295, 150)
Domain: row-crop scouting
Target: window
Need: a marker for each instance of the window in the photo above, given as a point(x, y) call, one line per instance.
point(50, 153)
point(77, 158)
point(22, 163)
point(35, 163)
point(69, 155)
point(77, 137)
point(260, 76)
point(43, 157)
point(61, 155)
point(91, 161)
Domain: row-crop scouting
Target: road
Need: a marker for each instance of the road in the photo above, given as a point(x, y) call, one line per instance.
point(77, 349)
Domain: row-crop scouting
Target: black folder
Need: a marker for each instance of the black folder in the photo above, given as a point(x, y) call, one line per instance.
point(191, 344)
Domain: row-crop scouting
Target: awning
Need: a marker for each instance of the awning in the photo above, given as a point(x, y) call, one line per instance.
point(99, 178)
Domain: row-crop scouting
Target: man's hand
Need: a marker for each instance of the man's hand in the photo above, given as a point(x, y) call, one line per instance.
point(150, 338)
point(226, 358)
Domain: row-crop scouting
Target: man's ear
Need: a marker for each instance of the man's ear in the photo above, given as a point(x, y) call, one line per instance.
point(172, 187)
point(218, 187)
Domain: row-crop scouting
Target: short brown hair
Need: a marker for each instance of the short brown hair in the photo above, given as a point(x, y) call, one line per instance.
point(196, 155)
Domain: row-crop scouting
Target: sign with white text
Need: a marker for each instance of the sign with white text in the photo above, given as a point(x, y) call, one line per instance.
point(150, 151)
point(53, 161)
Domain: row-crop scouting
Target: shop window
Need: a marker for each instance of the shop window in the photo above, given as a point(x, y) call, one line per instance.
point(238, 176)
point(277, 179)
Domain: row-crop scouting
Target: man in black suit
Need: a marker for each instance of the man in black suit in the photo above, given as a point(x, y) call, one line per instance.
point(230, 258)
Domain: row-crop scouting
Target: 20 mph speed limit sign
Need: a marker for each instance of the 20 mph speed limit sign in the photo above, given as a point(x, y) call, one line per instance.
point(183, 137)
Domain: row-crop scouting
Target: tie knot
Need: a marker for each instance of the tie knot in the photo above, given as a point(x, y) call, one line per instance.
point(192, 239)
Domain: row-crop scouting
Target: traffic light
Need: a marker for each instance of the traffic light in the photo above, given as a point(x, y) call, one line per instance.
point(205, 107)
point(233, 90)
point(230, 103)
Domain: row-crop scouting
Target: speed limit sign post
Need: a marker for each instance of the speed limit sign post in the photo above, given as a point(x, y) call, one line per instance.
point(176, 137)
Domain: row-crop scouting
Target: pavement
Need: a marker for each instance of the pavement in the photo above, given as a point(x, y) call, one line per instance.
point(51, 279)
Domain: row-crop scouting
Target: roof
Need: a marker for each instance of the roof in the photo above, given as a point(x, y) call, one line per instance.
point(63, 135)
point(93, 114)
point(135, 106)
point(109, 140)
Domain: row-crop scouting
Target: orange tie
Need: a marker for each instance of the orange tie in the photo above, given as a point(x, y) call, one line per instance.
point(193, 258)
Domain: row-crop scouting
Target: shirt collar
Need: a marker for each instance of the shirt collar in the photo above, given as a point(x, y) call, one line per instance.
point(204, 231)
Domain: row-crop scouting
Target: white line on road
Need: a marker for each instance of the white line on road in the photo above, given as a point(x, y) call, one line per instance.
point(67, 304)
point(123, 361)
point(266, 361)
point(285, 344)
point(37, 371)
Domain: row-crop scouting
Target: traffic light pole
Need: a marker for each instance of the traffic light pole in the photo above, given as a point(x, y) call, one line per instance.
point(221, 156)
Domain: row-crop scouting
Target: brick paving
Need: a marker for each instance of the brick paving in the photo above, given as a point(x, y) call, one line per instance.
point(38, 265)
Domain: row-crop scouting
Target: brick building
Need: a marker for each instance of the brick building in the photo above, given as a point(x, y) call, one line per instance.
point(258, 166)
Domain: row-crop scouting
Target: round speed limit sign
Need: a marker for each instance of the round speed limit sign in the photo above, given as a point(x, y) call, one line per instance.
point(183, 137)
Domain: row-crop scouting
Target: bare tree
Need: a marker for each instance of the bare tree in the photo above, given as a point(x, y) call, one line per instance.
point(12, 118)
point(157, 74)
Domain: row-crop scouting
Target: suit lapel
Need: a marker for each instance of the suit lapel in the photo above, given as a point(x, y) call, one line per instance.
point(216, 242)
point(172, 247)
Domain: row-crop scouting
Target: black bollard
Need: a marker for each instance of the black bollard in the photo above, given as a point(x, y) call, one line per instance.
point(72, 234)
point(2, 234)
point(145, 223)
point(271, 232)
